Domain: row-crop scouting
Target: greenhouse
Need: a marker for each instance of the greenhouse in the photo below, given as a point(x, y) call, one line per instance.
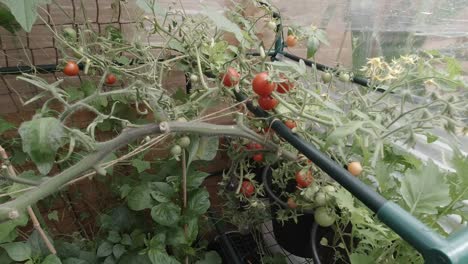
point(233, 131)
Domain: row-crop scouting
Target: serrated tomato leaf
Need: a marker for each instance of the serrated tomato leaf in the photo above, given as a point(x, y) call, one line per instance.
point(424, 189)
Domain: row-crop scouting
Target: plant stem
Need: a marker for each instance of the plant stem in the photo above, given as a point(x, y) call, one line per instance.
point(291, 108)
point(32, 215)
point(13, 209)
point(184, 195)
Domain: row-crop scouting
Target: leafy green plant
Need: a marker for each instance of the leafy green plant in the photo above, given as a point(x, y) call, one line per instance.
point(165, 203)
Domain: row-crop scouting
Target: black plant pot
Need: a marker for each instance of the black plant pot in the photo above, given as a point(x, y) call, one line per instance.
point(296, 237)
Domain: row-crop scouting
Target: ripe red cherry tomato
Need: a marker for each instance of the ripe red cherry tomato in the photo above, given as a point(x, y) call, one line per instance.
point(291, 41)
point(258, 157)
point(267, 102)
point(285, 85)
point(254, 145)
point(261, 85)
point(247, 188)
point(304, 178)
point(71, 69)
point(231, 77)
point(290, 124)
point(111, 79)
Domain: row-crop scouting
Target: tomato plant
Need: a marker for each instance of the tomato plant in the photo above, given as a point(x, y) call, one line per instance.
point(145, 115)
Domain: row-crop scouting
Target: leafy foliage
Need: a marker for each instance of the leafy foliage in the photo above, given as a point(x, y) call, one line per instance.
point(41, 139)
point(25, 11)
point(424, 189)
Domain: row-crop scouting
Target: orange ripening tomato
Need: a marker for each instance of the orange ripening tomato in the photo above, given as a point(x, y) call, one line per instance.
point(291, 41)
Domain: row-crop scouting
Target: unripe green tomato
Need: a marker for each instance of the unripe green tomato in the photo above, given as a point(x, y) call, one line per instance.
point(184, 142)
point(326, 77)
point(193, 78)
point(69, 33)
point(344, 77)
point(309, 192)
point(181, 119)
point(324, 217)
point(320, 199)
point(329, 189)
point(176, 150)
point(271, 25)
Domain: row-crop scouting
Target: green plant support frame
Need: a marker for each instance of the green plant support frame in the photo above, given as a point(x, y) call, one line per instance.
point(433, 247)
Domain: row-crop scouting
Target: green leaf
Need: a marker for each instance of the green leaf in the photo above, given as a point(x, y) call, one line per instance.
point(114, 237)
point(134, 258)
point(199, 202)
point(344, 130)
point(176, 237)
point(312, 46)
point(167, 214)
point(424, 189)
point(192, 229)
point(51, 259)
point(25, 11)
point(75, 261)
point(211, 257)
point(8, 228)
point(109, 260)
point(430, 138)
point(195, 178)
point(223, 23)
point(141, 165)
point(460, 164)
point(74, 94)
point(164, 192)
point(126, 240)
point(41, 139)
point(158, 241)
point(7, 20)
point(18, 251)
point(5, 125)
point(360, 259)
point(53, 216)
point(454, 68)
point(159, 257)
point(124, 190)
point(383, 177)
point(139, 198)
point(105, 249)
point(118, 250)
point(37, 244)
point(206, 148)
